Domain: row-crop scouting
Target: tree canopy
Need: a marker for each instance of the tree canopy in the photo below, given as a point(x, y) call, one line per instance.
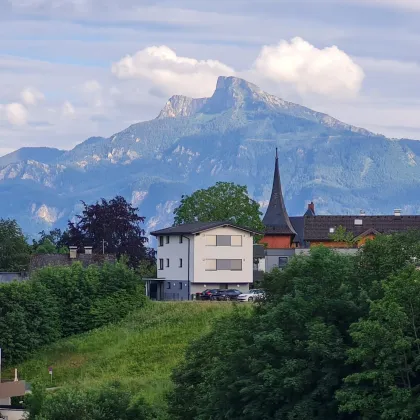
point(225, 201)
point(112, 226)
point(53, 242)
point(337, 337)
point(14, 250)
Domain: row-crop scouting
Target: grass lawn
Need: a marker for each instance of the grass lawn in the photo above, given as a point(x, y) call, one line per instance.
point(140, 352)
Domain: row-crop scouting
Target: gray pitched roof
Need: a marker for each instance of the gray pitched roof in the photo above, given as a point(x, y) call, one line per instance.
point(276, 219)
point(197, 227)
point(317, 228)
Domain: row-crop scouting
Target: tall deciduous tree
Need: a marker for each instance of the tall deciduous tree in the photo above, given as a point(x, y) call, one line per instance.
point(386, 356)
point(224, 201)
point(14, 251)
point(114, 227)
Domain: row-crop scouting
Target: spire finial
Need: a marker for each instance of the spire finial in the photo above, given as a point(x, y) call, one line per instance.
point(277, 154)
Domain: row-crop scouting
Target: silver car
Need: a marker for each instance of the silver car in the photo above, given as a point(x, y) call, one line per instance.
point(251, 296)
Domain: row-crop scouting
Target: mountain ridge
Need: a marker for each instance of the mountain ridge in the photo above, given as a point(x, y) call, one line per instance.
point(193, 143)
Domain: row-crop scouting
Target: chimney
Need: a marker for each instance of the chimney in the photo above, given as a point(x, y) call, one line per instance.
point(88, 250)
point(73, 252)
point(397, 212)
point(362, 213)
point(311, 206)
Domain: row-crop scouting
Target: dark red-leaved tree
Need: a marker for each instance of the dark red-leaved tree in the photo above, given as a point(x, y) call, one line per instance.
point(113, 227)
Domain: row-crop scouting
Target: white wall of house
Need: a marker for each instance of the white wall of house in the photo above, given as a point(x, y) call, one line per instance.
point(174, 251)
point(12, 414)
point(209, 258)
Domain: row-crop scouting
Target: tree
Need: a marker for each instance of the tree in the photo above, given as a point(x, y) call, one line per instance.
point(287, 358)
point(224, 201)
point(14, 251)
point(114, 227)
point(341, 235)
point(52, 242)
point(386, 355)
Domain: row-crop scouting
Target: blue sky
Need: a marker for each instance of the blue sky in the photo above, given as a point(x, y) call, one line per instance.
point(70, 69)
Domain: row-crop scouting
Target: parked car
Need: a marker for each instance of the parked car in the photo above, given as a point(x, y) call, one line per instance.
point(251, 296)
point(227, 294)
point(208, 294)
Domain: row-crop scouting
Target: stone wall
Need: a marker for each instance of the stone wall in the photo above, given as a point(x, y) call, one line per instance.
point(54, 260)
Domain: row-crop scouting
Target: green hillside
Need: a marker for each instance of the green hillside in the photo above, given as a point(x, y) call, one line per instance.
point(140, 352)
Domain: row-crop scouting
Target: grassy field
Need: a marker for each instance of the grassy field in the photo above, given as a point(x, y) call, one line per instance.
point(140, 352)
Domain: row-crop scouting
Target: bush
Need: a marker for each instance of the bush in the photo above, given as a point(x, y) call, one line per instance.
point(106, 403)
point(62, 301)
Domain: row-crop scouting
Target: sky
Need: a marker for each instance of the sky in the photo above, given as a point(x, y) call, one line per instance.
point(71, 69)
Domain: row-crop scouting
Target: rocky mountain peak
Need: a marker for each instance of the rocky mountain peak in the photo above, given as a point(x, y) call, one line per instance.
point(181, 106)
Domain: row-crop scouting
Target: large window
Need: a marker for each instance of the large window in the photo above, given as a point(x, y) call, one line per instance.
point(160, 263)
point(224, 265)
point(283, 261)
point(223, 240)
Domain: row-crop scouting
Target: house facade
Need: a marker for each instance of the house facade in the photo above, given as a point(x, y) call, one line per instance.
point(203, 255)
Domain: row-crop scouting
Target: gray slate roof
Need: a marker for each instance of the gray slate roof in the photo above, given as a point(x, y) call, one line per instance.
point(317, 228)
point(197, 227)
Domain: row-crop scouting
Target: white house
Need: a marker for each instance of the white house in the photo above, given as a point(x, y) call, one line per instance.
point(198, 256)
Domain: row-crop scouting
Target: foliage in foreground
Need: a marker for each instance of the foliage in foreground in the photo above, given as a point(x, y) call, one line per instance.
point(108, 402)
point(62, 301)
point(337, 338)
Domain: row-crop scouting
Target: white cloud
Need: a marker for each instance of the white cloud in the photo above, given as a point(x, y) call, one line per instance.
point(16, 113)
point(171, 73)
point(400, 4)
point(67, 110)
point(31, 96)
point(92, 86)
point(327, 71)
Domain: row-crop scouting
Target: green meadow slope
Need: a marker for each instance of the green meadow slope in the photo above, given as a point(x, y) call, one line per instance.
point(140, 352)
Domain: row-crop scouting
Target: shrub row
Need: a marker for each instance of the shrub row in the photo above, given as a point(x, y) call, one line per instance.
point(61, 301)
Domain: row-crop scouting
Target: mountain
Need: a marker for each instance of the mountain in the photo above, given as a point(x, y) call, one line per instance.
point(194, 143)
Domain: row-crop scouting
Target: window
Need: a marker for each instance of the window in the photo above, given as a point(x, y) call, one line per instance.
point(236, 265)
point(160, 240)
point(211, 265)
point(160, 263)
point(236, 240)
point(283, 261)
point(211, 240)
point(332, 230)
point(180, 239)
point(167, 239)
point(167, 262)
point(180, 285)
point(223, 265)
point(180, 263)
point(358, 222)
point(224, 240)
point(227, 265)
point(168, 284)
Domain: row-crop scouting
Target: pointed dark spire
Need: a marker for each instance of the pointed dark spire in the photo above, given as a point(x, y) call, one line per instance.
point(276, 219)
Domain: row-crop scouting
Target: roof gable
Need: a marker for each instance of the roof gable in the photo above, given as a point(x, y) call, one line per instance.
point(198, 227)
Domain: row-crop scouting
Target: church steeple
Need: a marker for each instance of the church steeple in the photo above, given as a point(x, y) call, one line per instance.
point(276, 219)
